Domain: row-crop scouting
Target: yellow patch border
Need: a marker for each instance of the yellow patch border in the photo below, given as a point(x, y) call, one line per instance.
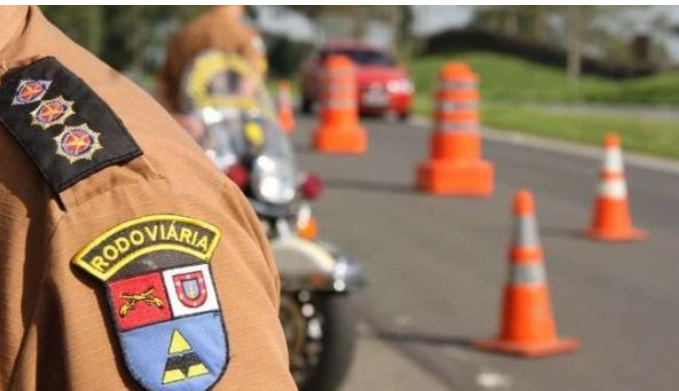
point(77, 259)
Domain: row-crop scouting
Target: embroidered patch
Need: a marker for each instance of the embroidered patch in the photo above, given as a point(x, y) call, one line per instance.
point(30, 91)
point(77, 143)
point(162, 299)
point(52, 112)
point(44, 103)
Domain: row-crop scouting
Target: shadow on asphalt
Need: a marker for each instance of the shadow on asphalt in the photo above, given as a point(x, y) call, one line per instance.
point(434, 340)
point(373, 187)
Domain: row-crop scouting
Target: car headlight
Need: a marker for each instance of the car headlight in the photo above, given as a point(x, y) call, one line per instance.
point(274, 180)
point(399, 86)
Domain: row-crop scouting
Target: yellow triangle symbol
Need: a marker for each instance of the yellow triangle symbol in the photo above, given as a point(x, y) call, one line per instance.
point(178, 343)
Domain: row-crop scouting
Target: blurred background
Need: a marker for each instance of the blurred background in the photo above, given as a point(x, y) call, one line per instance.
point(573, 65)
point(553, 81)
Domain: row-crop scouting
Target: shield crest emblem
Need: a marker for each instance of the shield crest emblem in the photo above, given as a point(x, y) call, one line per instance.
point(163, 300)
point(191, 288)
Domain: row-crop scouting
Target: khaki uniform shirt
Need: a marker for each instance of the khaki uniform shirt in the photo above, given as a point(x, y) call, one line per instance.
point(213, 30)
point(56, 331)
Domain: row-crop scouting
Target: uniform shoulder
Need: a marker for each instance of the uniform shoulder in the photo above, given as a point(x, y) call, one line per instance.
point(64, 127)
point(88, 129)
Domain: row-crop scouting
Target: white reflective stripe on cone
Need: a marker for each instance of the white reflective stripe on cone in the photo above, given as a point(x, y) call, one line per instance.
point(456, 85)
point(339, 104)
point(526, 232)
point(454, 106)
point(343, 87)
point(284, 100)
point(613, 188)
point(346, 72)
point(527, 273)
point(613, 160)
point(451, 127)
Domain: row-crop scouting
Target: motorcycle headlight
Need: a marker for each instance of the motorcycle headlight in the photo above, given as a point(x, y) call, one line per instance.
point(273, 180)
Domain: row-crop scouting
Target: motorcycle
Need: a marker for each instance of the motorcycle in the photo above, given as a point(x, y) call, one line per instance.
point(242, 138)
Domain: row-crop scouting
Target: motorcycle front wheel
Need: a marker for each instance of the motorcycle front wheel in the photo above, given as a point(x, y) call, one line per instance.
point(320, 330)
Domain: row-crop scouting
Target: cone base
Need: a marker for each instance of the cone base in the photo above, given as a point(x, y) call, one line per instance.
point(627, 235)
point(456, 178)
point(559, 346)
point(341, 141)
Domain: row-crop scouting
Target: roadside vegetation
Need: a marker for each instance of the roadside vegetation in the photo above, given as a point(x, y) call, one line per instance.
point(523, 96)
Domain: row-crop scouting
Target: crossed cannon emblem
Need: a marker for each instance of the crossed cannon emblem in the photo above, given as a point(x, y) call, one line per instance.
point(131, 301)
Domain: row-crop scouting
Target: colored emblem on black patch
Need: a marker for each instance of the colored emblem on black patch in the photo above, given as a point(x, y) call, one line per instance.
point(77, 143)
point(162, 299)
point(30, 91)
point(52, 112)
point(45, 103)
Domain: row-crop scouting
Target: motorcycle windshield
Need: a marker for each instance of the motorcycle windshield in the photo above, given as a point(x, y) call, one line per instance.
point(231, 100)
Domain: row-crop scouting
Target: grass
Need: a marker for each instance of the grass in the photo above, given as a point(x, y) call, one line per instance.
point(639, 134)
point(512, 79)
point(515, 91)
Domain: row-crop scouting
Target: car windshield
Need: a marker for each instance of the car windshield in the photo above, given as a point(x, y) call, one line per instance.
point(365, 57)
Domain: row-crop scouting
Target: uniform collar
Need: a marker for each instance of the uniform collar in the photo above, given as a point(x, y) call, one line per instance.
point(12, 21)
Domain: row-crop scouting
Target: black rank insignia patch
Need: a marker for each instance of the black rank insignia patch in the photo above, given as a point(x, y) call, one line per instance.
point(68, 131)
point(162, 299)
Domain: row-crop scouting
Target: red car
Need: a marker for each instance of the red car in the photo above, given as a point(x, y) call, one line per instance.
point(383, 86)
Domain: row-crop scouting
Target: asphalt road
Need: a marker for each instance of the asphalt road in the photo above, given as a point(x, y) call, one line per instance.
point(436, 267)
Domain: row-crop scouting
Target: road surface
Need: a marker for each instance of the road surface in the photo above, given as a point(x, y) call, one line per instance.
point(436, 267)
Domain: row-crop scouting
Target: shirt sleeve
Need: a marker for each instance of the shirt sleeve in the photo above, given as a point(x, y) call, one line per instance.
point(187, 231)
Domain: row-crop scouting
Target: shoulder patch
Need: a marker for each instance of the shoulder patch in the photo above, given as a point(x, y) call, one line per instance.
point(162, 299)
point(68, 131)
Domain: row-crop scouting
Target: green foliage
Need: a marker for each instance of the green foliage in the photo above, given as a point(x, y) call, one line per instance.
point(399, 18)
point(285, 56)
point(659, 89)
point(641, 134)
point(122, 36)
point(505, 78)
point(84, 24)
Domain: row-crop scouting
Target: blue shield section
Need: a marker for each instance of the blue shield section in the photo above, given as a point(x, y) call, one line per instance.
point(191, 289)
point(147, 352)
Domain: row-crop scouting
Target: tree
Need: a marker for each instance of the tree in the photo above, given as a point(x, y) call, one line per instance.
point(399, 18)
point(121, 36)
point(573, 54)
point(575, 28)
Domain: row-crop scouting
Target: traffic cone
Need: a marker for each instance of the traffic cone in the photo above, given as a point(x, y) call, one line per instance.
point(528, 327)
point(339, 130)
point(286, 116)
point(456, 166)
point(612, 220)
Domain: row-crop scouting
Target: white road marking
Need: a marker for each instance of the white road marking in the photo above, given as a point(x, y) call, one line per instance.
point(492, 380)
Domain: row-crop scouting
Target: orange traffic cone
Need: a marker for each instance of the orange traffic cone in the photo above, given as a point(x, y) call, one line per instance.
point(528, 327)
point(611, 220)
point(286, 116)
point(339, 130)
point(456, 166)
